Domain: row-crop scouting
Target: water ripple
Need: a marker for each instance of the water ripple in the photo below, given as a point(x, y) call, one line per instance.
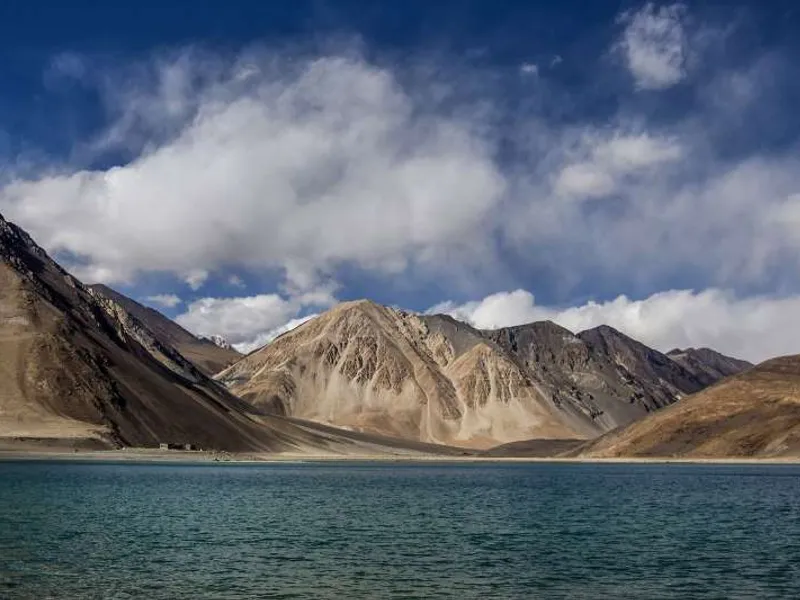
point(119, 531)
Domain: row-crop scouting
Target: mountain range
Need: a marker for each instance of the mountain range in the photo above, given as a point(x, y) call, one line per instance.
point(434, 379)
point(91, 366)
point(78, 368)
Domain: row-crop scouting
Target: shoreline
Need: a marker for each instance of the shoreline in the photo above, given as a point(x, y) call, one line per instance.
point(146, 455)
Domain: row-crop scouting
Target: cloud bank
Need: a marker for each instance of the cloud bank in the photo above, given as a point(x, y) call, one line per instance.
point(755, 328)
point(328, 163)
point(313, 165)
point(247, 323)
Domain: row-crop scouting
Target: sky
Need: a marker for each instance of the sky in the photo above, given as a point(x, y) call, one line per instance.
point(244, 166)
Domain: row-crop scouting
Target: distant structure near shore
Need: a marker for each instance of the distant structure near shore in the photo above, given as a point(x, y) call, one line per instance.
point(167, 446)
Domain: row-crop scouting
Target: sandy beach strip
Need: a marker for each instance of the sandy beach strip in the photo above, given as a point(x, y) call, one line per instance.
point(8, 453)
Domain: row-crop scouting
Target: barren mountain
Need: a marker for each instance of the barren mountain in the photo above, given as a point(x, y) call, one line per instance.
point(754, 413)
point(367, 367)
point(431, 378)
point(76, 366)
point(209, 355)
point(708, 365)
point(615, 377)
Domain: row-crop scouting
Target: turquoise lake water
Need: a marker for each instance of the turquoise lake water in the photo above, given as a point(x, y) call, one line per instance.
point(332, 530)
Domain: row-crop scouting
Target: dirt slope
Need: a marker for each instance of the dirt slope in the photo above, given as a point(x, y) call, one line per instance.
point(205, 354)
point(754, 413)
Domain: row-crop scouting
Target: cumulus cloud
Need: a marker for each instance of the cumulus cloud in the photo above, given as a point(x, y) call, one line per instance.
point(606, 162)
point(165, 300)
point(322, 164)
point(327, 166)
point(584, 180)
point(754, 328)
point(196, 278)
point(503, 309)
point(654, 45)
point(248, 322)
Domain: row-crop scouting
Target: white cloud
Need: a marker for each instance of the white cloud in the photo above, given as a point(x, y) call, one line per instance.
point(251, 321)
point(605, 161)
point(504, 309)
point(238, 320)
point(165, 300)
point(531, 69)
point(654, 45)
point(627, 153)
point(196, 278)
point(327, 163)
point(754, 328)
point(334, 165)
point(236, 281)
point(584, 180)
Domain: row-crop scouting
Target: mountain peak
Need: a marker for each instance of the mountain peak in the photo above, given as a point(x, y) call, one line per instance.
point(544, 326)
point(218, 340)
point(361, 303)
point(604, 330)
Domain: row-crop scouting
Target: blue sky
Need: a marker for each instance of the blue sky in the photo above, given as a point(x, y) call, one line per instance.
point(244, 166)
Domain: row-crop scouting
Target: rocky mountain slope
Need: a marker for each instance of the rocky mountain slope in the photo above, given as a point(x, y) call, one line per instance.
point(708, 365)
point(209, 355)
point(431, 378)
point(76, 366)
point(755, 413)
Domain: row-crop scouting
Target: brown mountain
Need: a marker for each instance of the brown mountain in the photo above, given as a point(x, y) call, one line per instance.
point(615, 378)
point(431, 378)
point(708, 365)
point(754, 413)
point(77, 367)
point(209, 357)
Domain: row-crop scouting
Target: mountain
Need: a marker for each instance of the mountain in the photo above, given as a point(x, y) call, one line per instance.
point(615, 377)
point(77, 368)
point(708, 365)
point(753, 414)
point(367, 367)
point(220, 342)
point(431, 378)
point(207, 354)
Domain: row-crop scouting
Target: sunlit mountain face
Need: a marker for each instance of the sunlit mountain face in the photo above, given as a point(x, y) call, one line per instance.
point(244, 168)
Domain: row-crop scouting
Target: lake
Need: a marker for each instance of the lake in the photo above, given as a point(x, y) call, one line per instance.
point(398, 530)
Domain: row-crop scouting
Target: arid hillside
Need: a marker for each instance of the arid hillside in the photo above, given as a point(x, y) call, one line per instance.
point(76, 367)
point(753, 414)
point(368, 367)
point(204, 353)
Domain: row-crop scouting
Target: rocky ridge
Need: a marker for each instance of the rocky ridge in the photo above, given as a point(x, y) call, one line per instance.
point(208, 355)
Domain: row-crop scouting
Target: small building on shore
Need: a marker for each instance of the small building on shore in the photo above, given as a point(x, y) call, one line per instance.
point(170, 446)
